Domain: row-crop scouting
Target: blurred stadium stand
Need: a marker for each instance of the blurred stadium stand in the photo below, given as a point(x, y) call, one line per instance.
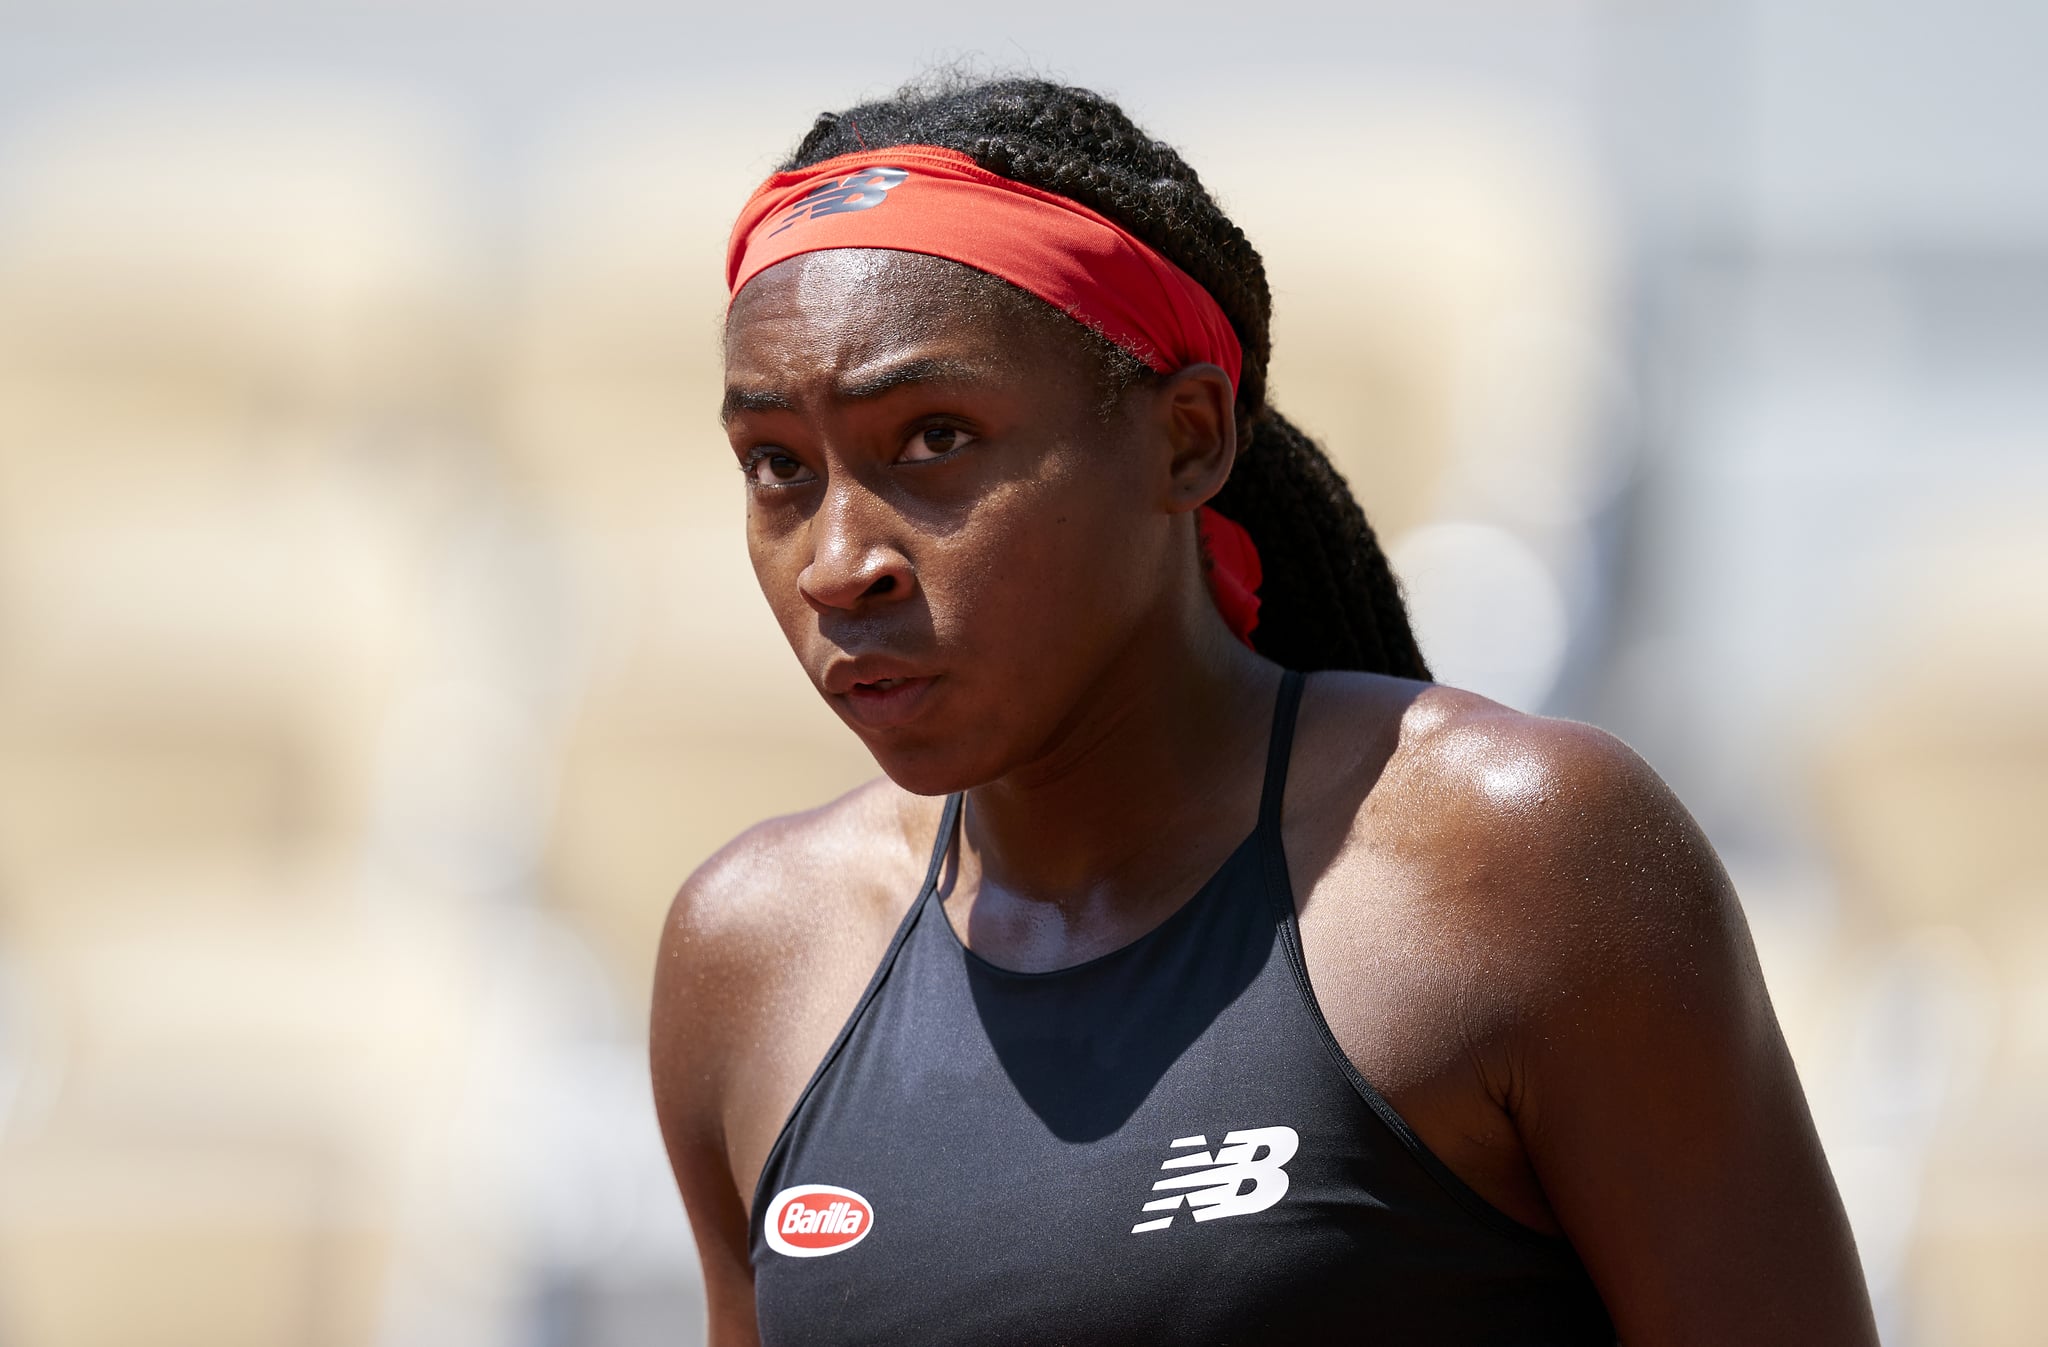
point(378, 648)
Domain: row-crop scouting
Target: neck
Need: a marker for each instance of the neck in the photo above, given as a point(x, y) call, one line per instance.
point(1167, 745)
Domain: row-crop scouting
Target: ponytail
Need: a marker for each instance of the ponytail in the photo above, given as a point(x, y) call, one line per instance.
point(1330, 600)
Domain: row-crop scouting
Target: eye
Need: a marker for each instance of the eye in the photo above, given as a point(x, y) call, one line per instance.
point(773, 467)
point(934, 442)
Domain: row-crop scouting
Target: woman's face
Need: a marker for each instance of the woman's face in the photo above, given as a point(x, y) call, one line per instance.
point(955, 535)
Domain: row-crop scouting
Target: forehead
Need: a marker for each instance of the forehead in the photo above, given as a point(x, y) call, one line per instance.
point(844, 308)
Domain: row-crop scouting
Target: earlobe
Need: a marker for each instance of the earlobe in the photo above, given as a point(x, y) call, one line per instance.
point(1201, 423)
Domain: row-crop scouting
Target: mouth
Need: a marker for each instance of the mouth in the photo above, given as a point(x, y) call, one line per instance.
point(884, 703)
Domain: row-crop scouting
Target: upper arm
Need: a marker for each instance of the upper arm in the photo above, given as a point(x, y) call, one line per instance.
point(765, 950)
point(1655, 1096)
point(698, 980)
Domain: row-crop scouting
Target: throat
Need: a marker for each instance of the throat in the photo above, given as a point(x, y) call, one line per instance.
point(1058, 867)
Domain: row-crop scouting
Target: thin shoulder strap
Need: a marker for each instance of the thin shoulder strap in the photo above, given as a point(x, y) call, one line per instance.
point(949, 820)
point(949, 823)
point(1277, 749)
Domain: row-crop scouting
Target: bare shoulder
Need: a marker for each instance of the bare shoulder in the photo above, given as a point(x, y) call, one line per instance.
point(1526, 935)
point(765, 949)
point(800, 874)
point(1498, 824)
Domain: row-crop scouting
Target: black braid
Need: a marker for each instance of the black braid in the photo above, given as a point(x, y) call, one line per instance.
point(1329, 600)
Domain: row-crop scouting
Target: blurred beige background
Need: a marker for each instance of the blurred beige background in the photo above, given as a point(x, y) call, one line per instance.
point(378, 650)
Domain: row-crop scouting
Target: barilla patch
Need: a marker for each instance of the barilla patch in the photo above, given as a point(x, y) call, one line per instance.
point(814, 1219)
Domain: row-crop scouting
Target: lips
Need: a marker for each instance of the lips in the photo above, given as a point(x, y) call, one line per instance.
point(886, 702)
point(877, 692)
point(843, 673)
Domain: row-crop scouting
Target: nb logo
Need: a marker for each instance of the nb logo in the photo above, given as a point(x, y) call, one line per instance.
point(862, 189)
point(1246, 1174)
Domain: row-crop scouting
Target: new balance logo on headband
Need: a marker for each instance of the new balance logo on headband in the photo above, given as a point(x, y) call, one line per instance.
point(862, 189)
point(1256, 1156)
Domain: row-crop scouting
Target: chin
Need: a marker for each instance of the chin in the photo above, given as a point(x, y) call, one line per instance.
point(927, 768)
point(935, 760)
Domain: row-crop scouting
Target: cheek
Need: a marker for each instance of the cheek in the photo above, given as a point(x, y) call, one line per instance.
point(777, 561)
point(1042, 568)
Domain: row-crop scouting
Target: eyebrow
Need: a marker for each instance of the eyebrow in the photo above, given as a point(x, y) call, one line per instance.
point(903, 374)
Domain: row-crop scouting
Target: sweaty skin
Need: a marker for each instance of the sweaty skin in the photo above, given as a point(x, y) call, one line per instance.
point(1515, 931)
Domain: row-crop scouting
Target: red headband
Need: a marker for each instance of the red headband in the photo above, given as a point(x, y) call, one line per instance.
point(923, 199)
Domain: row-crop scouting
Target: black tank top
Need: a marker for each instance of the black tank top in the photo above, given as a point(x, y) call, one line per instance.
point(1161, 1145)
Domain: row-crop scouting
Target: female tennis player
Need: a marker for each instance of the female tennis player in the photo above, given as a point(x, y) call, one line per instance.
point(1198, 971)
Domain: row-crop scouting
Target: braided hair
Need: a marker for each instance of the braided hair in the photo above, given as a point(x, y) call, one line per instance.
point(1329, 599)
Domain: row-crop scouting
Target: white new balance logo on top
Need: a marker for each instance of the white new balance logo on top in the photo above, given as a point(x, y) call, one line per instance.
point(1254, 1156)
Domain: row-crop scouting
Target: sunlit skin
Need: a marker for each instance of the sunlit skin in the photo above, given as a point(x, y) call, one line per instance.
point(1513, 928)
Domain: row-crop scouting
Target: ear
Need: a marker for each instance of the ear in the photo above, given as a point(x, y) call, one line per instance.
point(1199, 410)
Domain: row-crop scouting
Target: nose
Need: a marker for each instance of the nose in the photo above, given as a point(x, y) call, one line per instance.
point(855, 560)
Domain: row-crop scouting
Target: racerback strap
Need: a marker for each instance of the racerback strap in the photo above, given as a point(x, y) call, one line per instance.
point(1278, 748)
point(949, 823)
